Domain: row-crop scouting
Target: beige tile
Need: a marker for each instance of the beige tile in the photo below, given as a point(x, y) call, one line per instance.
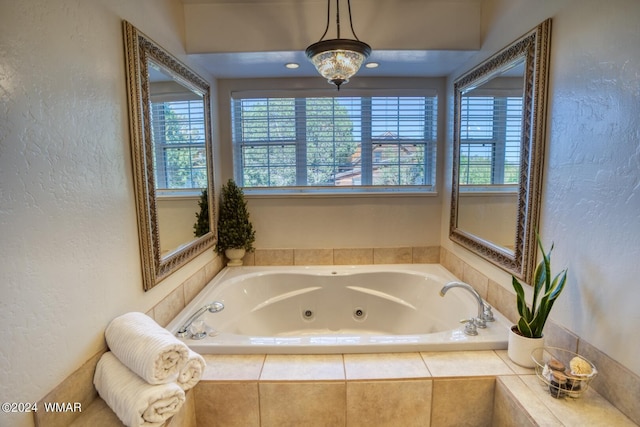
point(614, 381)
point(222, 367)
point(557, 336)
point(274, 257)
point(303, 404)
point(462, 402)
point(384, 366)
point(227, 404)
point(98, 414)
point(504, 355)
point(508, 410)
point(479, 281)
point(186, 416)
point(389, 403)
point(392, 255)
point(426, 254)
point(503, 301)
point(169, 307)
point(212, 268)
point(355, 256)
point(590, 409)
point(313, 256)
point(452, 263)
point(249, 258)
point(303, 367)
point(465, 363)
point(77, 387)
point(194, 284)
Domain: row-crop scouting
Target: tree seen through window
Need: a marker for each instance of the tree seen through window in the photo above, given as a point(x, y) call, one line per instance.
point(320, 142)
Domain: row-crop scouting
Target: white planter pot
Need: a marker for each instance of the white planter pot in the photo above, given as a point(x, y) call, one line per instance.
point(520, 348)
point(235, 257)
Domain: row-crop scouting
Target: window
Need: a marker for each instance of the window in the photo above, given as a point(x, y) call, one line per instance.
point(179, 144)
point(490, 139)
point(376, 143)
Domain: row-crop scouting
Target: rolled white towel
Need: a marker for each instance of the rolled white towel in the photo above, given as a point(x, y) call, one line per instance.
point(192, 371)
point(134, 401)
point(146, 348)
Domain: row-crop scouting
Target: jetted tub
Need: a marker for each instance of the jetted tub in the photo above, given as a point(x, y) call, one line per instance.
point(337, 309)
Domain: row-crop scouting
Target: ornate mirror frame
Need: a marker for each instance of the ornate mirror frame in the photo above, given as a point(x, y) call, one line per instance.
point(534, 48)
point(139, 50)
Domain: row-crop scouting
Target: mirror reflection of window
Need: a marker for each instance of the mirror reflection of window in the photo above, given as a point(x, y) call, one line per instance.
point(170, 122)
point(179, 144)
point(498, 153)
point(490, 139)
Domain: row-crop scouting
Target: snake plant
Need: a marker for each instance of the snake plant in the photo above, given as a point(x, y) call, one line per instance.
point(545, 293)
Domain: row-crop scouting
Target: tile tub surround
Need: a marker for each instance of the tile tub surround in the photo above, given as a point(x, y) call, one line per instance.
point(614, 382)
point(409, 389)
point(344, 256)
point(78, 387)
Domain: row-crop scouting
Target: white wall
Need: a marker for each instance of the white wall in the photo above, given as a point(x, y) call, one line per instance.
point(591, 198)
point(176, 217)
point(491, 216)
point(69, 256)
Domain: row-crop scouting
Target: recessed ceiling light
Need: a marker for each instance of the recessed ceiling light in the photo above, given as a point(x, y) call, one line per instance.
point(371, 65)
point(292, 65)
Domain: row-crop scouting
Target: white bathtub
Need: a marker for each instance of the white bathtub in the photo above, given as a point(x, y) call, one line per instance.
point(338, 309)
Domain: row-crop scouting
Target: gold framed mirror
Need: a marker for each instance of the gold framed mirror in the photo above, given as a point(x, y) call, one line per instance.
point(170, 126)
point(498, 153)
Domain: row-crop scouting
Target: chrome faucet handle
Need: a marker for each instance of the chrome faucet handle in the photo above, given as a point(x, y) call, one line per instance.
point(198, 329)
point(487, 316)
point(480, 322)
point(470, 327)
point(186, 330)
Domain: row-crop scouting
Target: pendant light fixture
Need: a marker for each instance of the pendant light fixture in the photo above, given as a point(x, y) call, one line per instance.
point(338, 59)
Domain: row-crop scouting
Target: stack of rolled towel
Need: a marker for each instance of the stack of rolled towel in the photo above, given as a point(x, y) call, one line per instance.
point(146, 372)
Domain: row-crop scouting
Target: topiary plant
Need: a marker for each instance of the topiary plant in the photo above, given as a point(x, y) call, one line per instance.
point(235, 231)
point(532, 320)
point(201, 227)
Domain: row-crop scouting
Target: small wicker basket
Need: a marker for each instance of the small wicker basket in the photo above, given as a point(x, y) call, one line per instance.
point(562, 372)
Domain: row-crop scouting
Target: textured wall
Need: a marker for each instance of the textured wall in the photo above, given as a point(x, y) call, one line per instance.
point(69, 258)
point(591, 197)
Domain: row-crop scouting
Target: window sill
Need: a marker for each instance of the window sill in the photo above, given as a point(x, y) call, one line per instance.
point(338, 192)
point(179, 194)
point(483, 190)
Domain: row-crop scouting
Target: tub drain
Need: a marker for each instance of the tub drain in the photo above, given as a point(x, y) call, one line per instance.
point(359, 314)
point(307, 314)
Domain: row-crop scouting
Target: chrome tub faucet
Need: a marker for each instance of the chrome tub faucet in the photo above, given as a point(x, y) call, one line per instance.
point(484, 311)
point(213, 307)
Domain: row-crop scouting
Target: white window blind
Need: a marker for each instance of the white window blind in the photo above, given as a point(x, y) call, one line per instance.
point(179, 144)
point(335, 142)
point(490, 140)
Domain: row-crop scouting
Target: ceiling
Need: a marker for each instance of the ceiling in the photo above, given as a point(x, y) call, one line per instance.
point(256, 38)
